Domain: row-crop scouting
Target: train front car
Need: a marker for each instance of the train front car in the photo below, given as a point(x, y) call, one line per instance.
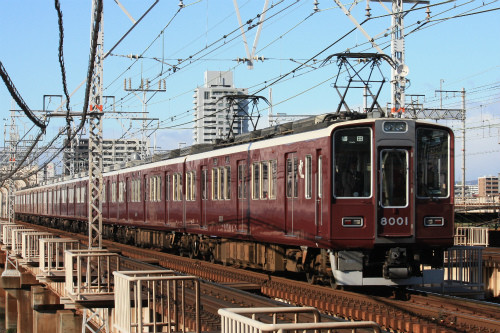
point(392, 208)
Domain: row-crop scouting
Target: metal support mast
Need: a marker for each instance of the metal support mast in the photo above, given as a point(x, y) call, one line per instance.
point(144, 88)
point(13, 138)
point(95, 141)
point(400, 70)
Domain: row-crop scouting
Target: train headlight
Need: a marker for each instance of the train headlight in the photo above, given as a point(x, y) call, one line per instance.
point(352, 222)
point(395, 126)
point(433, 221)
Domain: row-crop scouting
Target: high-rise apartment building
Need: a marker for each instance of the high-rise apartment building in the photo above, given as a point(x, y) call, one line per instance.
point(488, 186)
point(115, 151)
point(214, 116)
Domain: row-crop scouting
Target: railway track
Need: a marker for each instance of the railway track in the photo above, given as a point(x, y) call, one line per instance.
point(417, 313)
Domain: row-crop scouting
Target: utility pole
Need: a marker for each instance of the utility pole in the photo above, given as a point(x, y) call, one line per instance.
point(12, 164)
point(463, 147)
point(462, 118)
point(95, 139)
point(144, 88)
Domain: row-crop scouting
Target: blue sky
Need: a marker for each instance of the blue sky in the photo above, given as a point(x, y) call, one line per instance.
point(462, 51)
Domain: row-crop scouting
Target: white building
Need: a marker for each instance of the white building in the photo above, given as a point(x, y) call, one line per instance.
point(214, 116)
point(114, 151)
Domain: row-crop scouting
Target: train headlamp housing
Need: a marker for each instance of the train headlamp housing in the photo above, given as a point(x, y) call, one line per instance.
point(352, 222)
point(433, 221)
point(395, 127)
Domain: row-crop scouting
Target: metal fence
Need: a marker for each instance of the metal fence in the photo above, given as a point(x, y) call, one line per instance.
point(156, 301)
point(89, 272)
point(464, 266)
point(471, 236)
point(246, 320)
point(52, 253)
point(7, 232)
point(30, 241)
point(17, 240)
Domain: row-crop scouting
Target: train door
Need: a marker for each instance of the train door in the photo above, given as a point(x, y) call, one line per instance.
point(291, 191)
point(145, 198)
point(127, 196)
point(242, 201)
point(318, 209)
point(395, 215)
point(167, 197)
point(204, 195)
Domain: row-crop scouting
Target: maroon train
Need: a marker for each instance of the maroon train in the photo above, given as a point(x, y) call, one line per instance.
point(351, 202)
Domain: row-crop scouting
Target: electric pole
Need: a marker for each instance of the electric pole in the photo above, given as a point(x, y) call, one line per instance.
point(95, 138)
point(144, 88)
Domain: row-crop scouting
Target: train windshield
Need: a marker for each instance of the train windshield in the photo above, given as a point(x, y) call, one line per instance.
point(394, 183)
point(432, 163)
point(352, 163)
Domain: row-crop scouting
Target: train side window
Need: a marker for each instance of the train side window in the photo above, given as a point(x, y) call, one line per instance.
point(265, 180)
point(175, 180)
point(151, 182)
point(308, 176)
point(222, 182)
point(158, 188)
point(113, 192)
point(228, 183)
point(255, 180)
point(177, 187)
point(167, 187)
point(292, 179)
point(272, 184)
point(77, 195)
point(204, 184)
point(189, 186)
point(121, 191)
point(155, 188)
point(320, 177)
point(215, 184)
point(193, 185)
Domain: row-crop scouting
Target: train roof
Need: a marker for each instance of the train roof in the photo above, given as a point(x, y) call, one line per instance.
point(304, 129)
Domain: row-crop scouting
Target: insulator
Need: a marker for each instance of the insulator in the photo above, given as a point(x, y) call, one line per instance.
point(181, 4)
point(428, 12)
point(368, 9)
point(316, 3)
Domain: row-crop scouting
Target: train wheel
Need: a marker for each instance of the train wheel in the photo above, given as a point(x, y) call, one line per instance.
point(195, 250)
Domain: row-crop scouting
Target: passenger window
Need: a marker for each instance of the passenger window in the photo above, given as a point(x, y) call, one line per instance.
point(308, 176)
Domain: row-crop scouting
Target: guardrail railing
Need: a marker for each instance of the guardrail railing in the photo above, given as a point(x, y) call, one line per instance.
point(156, 301)
point(89, 272)
point(464, 266)
point(30, 241)
point(471, 236)
point(52, 253)
point(243, 320)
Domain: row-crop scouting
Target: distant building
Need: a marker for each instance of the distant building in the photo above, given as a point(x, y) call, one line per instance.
point(115, 151)
point(488, 186)
point(471, 190)
point(213, 116)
